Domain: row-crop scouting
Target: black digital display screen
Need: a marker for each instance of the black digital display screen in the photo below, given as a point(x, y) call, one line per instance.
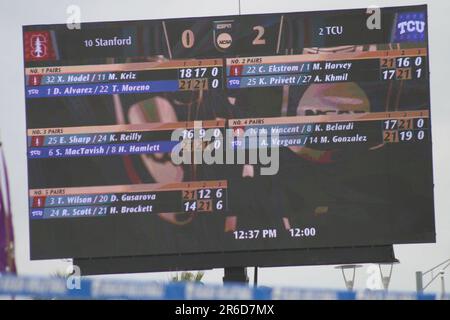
point(229, 134)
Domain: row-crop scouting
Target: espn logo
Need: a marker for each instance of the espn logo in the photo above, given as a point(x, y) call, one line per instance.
point(223, 34)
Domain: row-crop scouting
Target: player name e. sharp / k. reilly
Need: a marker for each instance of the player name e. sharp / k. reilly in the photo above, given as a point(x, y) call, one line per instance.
point(76, 139)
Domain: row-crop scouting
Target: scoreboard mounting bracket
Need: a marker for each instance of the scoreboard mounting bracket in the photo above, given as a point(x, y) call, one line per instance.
point(235, 274)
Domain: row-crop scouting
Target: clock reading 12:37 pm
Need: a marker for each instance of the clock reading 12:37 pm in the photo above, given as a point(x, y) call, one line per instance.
point(272, 233)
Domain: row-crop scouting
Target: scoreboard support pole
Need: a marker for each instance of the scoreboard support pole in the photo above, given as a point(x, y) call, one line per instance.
point(235, 274)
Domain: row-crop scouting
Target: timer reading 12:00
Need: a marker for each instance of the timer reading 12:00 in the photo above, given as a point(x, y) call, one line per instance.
point(302, 232)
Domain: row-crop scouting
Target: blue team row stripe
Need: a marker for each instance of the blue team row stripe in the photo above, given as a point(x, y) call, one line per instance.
point(70, 212)
point(269, 81)
point(101, 89)
point(102, 150)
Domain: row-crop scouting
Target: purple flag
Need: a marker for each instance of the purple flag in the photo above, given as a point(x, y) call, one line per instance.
point(7, 261)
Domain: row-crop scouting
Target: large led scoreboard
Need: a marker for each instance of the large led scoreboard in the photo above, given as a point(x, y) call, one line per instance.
point(342, 108)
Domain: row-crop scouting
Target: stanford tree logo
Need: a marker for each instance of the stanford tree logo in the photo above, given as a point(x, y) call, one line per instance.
point(38, 46)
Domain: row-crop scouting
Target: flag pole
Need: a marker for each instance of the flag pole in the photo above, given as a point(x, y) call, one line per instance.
point(9, 242)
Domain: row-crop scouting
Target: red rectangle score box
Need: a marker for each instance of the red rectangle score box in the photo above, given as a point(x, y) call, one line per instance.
point(37, 141)
point(236, 71)
point(34, 80)
point(38, 202)
point(238, 131)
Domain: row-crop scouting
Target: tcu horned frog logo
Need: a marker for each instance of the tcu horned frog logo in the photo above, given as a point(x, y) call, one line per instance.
point(38, 46)
point(410, 27)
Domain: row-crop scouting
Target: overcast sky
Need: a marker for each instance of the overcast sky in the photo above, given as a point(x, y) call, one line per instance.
point(14, 14)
